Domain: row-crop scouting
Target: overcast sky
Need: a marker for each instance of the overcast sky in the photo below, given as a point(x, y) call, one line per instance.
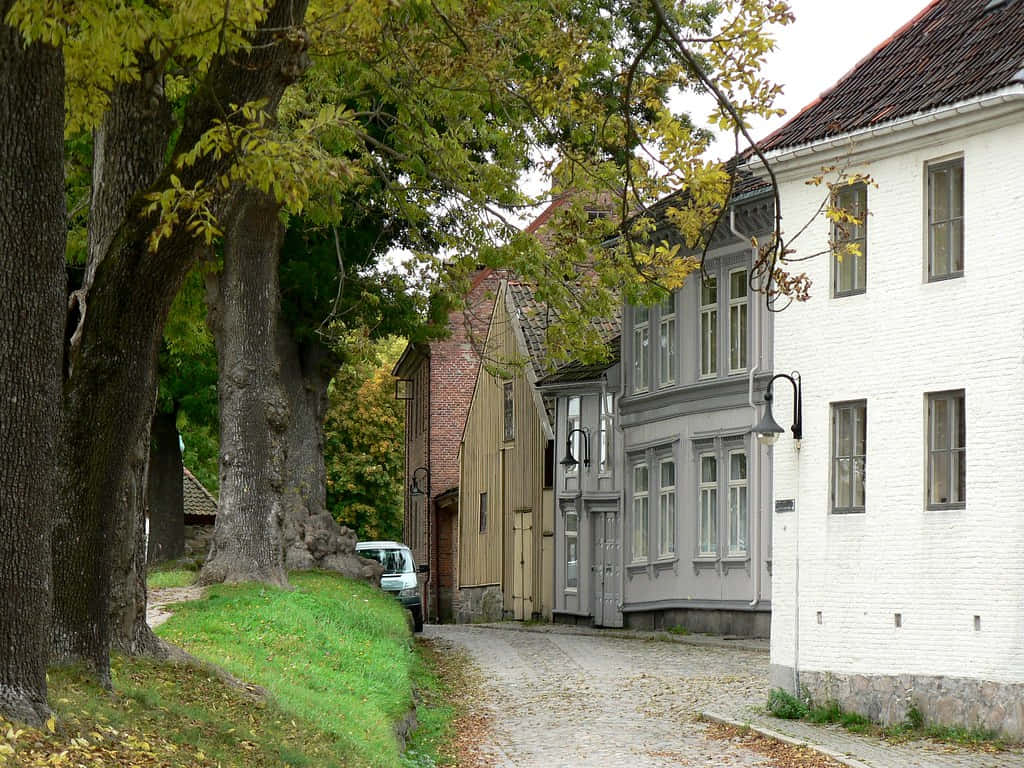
point(827, 39)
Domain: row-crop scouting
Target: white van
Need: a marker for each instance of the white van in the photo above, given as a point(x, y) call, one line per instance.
point(400, 574)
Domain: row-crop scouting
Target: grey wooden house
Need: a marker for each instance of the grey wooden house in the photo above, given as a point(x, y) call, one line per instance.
point(669, 522)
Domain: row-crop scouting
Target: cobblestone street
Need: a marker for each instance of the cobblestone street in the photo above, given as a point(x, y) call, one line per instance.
point(567, 698)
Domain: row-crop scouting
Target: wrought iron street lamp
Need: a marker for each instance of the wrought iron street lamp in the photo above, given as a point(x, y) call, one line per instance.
point(414, 486)
point(768, 429)
point(570, 461)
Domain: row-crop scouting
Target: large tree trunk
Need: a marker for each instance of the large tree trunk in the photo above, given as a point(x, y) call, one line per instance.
point(164, 492)
point(312, 538)
point(244, 303)
point(32, 295)
point(95, 547)
point(113, 351)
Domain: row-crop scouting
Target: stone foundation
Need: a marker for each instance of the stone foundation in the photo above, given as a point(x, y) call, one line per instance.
point(703, 621)
point(478, 604)
point(949, 701)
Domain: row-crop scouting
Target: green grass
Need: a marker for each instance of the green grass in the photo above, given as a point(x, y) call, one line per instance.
point(175, 578)
point(784, 705)
point(335, 656)
point(678, 629)
point(335, 652)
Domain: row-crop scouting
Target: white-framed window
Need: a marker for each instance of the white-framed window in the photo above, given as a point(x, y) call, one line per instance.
point(641, 340)
point(641, 511)
point(666, 508)
point(572, 421)
point(849, 454)
point(849, 269)
point(667, 344)
point(739, 504)
point(572, 554)
point(947, 450)
point(738, 320)
point(604, 466)
point(707, 519)
point(509, 403)
point(946, 219)
point(709, 327)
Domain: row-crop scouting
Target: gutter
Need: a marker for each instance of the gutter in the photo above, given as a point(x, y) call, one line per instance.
point(755, 465)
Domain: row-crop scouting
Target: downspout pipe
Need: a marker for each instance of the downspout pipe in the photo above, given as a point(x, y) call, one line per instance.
point(756, 468)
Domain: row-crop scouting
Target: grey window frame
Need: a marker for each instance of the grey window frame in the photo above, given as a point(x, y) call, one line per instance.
point(641, 343)
point(635, 497)
point(956, 396)
point(483, 512)
point(668, 342)
point(711, 311)
point(835, 458)
point(858, 233)
point(606, 423)
point(574, 537)
point(573, 423)
point(931, 170)
point(508, 405)
point(741, 305)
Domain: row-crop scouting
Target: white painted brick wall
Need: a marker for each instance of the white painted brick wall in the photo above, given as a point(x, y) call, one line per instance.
point(902, 338)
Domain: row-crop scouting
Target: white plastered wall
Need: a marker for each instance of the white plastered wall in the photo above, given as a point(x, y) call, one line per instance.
point(901, 339)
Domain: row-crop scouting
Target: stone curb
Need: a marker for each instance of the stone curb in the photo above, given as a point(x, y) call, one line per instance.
point(704, 641)
point(781, 737)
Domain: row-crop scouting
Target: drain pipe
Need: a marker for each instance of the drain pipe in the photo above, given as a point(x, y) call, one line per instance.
point(755, 465)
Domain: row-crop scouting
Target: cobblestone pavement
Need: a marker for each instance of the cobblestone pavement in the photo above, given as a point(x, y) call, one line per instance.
point(560, 697)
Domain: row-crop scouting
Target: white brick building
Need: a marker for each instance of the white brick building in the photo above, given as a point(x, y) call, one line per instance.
point(898, 579)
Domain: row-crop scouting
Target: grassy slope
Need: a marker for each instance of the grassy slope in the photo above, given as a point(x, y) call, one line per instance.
point(335, 655)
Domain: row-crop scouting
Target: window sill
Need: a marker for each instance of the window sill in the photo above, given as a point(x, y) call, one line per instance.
point(706, 561)
point(637, 565)
point(666, 561)
point(960, 505)
point(943, 278)
point(854, 511)
point(846, 294)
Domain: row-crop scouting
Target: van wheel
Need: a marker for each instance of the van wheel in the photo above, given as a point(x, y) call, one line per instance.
point(417, 619)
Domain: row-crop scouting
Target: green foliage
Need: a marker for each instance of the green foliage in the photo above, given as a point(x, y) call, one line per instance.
point(335, 654)
point(188, 379)
point(785, 705)
point(364, 443)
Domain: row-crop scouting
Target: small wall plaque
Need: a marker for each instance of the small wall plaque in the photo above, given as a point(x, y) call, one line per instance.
point(785, 505)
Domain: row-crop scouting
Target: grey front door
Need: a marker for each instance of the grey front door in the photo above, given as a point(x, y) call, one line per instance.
point(606, 569)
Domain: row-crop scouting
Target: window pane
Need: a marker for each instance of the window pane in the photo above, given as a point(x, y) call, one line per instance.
point(712, 350)
point(667, 362)
point(959, 422)
point(841, 500)
point(571, 522)
point(668, 474)
point(738, 466)
point(639, 478)
point(709, 291)
point(737, 285)
point(957, 192)
point(668, 305)
point(857, 481)
point(844, 432)
point(667, 524)
point(639, 315)
point(640, 511)
point(940, 248)
point(860, 431)
point(940, 424)
point(956, 245)
point(958, 492)
point(940, 478)
point(708, 469)
point(940, 179)
point(571, 562)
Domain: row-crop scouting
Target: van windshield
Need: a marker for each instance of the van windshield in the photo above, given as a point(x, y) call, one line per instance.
point(393, 560)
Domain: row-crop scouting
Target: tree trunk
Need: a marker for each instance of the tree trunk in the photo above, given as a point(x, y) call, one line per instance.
point(312, 538)
point(164, 492)
point(244, 308)
point(130, 633)
point(128, 155)
point(113, 351)
point(32, 296)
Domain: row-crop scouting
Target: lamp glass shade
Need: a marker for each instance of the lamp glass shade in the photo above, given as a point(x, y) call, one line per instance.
point(768, 429)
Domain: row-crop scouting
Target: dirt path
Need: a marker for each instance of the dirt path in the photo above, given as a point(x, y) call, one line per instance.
point(160, 599)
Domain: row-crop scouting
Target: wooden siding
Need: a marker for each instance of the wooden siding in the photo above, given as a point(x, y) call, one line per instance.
point(511, 473)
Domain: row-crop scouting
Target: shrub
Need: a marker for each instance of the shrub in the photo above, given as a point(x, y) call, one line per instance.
point(785, 705)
